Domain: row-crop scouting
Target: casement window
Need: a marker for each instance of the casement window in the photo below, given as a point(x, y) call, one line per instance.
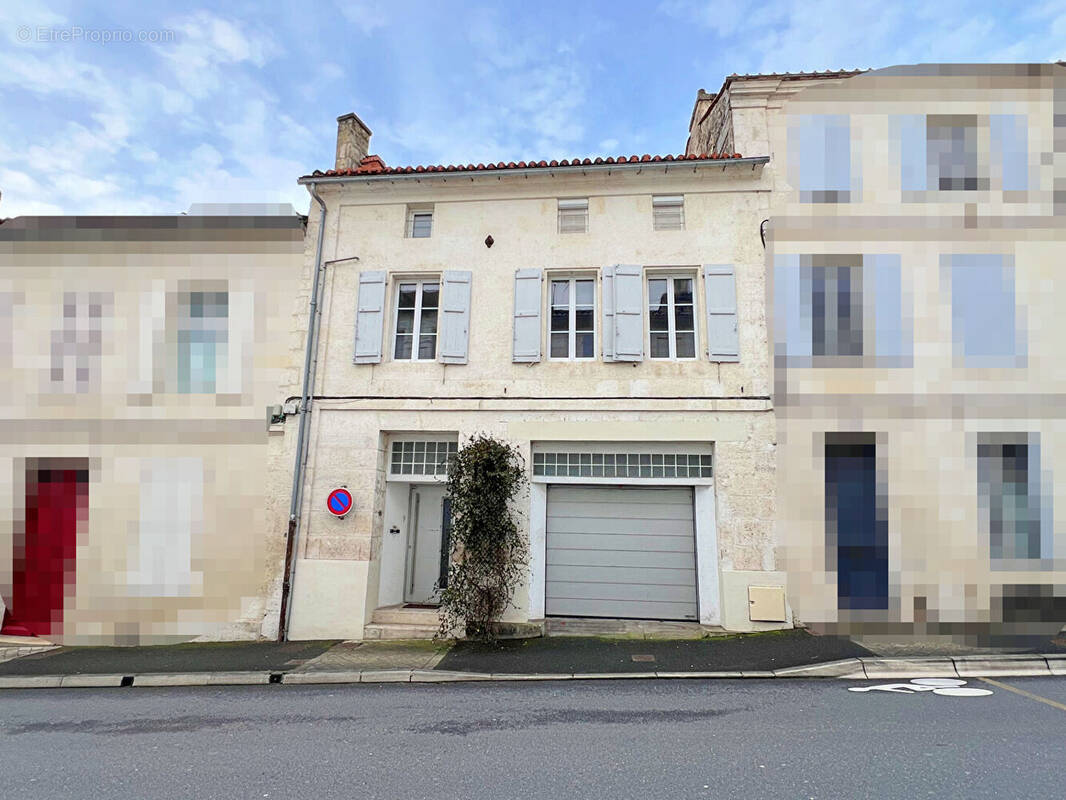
point(573, 318)
point(415, 322)
point(984, 317)
point(821, 165)
point(823, 305)
point(671, 317)
point(574, 215)
point(77, 346)
point(203, 323)
point(951, 152)
point(431, 318)
point(419, 222)
point(668, 212)
point(1009, 495)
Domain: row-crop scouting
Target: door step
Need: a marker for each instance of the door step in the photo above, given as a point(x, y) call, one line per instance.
point(398, 615)
point(389, 631)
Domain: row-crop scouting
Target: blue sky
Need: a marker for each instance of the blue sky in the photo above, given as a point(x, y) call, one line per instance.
point(231, 102)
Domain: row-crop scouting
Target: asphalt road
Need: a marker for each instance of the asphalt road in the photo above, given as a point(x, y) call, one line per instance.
point(617, 739)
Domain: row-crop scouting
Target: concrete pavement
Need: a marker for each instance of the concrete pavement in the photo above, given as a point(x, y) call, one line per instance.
point(620, 739)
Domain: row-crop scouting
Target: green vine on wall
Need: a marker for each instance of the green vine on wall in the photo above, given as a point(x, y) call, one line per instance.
point(488, 553)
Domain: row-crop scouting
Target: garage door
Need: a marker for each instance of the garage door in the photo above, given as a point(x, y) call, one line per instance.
point(623, 552)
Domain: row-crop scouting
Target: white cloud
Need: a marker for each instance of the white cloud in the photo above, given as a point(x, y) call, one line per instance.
point(367, 15)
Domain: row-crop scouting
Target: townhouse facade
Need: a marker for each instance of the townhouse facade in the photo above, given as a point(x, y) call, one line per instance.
point(914, 261)
point(139, 356)
point(606, 317)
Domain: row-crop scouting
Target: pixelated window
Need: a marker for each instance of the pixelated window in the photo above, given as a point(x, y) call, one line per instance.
point(1009, 495)
point(820, 149)
point(983, 314)
point(77, 345)
point(202, 335)
point(171, 519)
point(840, 310)
point(952, 152)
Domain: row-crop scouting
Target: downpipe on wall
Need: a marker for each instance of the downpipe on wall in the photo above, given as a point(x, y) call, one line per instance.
point(310, 357)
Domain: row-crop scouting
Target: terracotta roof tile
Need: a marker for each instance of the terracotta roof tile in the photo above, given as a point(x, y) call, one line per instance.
point(374, 165)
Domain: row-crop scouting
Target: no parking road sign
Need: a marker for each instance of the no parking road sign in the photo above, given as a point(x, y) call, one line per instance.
point(339, 502)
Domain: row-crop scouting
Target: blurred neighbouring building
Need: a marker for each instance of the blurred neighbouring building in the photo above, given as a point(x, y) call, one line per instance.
point(915, 253)
point(139, 356)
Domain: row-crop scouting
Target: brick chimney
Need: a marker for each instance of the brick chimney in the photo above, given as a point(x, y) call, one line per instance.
point(353, 141)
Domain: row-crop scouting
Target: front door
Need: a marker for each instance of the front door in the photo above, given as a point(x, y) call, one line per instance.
point(854, 526)
point(56, 501)
point(424, 543)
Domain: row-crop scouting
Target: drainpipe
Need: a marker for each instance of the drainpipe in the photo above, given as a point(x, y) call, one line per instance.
point(310, 357)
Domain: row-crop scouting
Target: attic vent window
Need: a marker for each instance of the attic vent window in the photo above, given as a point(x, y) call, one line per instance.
point(419, 222)
point(574, 216)
point(668, 212)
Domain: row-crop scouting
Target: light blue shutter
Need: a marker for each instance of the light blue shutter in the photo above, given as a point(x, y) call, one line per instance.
point(369, 317)
point(628, 313)
point(454, 317)
point(607, 336)
point(720, 284)
point(914, 169)
point(527, 296)
point(1010, 150)
point(881, 274)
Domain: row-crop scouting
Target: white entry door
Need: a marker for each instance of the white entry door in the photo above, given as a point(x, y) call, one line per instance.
point(424, 541)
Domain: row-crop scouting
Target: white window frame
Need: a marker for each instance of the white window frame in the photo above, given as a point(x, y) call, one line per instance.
point(573, 204)
point(571, 278)
point(672, 201)
point(416, 330)
point(418, 211)
point(670, 275)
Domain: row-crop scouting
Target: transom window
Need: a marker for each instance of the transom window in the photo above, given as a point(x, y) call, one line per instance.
point(622, 465)
point(417, 303)
point(422, 457)
point(671, 317)
point(573, 318)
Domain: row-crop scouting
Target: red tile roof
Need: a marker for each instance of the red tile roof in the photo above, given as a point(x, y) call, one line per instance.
point(373, 165)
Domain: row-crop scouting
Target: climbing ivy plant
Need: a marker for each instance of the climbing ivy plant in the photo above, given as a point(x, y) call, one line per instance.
point(488, 554)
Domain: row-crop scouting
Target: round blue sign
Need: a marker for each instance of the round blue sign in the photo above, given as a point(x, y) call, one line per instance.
point(339, 502)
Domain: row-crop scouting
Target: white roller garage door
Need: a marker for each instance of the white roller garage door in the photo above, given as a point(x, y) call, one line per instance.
point(619, 551)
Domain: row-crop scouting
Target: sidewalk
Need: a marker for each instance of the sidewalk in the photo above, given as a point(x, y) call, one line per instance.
point(778, 654)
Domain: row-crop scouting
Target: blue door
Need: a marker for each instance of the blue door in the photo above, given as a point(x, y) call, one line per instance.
point(854, 526)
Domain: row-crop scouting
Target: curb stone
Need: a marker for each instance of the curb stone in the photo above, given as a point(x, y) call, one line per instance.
point(846, 669)
point(933, 667)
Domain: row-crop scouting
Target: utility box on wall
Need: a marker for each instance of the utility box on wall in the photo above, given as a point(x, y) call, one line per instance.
point(766, 603)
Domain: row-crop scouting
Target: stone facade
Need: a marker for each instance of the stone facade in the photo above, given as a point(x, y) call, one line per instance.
point(346, 568)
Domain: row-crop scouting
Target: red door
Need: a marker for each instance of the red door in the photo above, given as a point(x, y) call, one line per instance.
point(56, 501)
